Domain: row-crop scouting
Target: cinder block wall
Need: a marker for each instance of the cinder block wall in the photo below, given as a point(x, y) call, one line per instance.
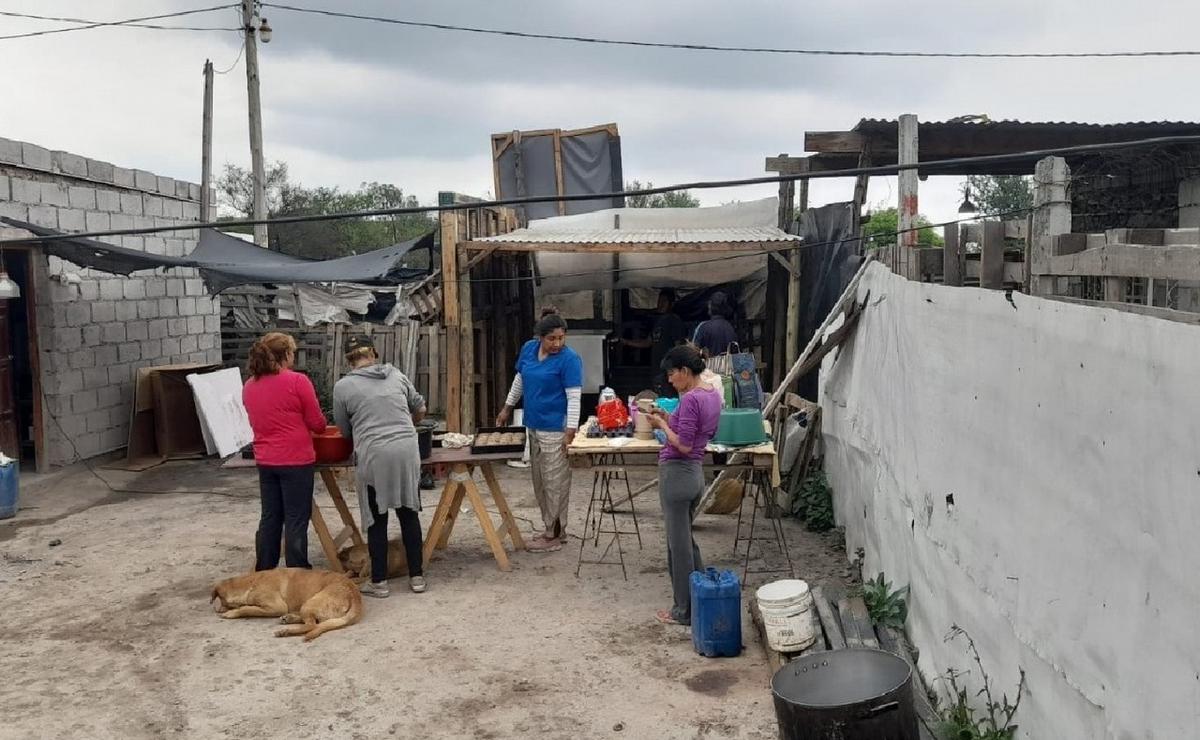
point(93, 335)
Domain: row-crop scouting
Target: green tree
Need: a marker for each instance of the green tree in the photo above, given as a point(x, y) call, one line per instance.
point(674, 199)
point(882, 227)
point(1000, 193)
point(333, 238)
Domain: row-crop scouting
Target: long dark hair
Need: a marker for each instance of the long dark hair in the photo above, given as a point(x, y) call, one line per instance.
point(549, 322)
point(683, 356)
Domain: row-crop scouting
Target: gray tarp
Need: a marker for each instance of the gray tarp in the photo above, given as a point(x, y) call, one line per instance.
point(225, 261)
point(591, 163)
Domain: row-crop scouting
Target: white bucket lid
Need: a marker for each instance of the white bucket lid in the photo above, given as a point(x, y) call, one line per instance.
point(782, 592)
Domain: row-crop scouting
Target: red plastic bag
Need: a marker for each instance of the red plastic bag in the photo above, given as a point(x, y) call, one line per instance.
point(612, 415)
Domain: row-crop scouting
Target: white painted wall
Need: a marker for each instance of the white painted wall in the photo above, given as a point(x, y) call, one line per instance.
point(1069, 437)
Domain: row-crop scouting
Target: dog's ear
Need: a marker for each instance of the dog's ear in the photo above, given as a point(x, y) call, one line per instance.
point(215, 595)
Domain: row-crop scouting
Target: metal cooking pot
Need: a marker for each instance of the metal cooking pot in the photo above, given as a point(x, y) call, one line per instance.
point(853, 694)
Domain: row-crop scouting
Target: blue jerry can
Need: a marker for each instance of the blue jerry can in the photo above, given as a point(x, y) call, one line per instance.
point(716, 613)
point(8, 489)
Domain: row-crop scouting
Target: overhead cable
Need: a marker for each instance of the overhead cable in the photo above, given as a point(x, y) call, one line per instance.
point(743, 49)
point(128, 22)
point(930, 167)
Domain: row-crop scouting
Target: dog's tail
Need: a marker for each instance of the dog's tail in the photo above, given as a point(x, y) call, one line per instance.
point(353, 614)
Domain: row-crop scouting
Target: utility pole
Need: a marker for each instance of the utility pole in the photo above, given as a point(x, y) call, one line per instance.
point(255, 109)
point(206, 146)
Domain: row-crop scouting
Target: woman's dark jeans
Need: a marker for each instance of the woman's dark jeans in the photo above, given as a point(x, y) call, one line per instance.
point(287, 501)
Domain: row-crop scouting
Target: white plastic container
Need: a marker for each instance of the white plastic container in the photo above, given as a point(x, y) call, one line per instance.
point(787, 612)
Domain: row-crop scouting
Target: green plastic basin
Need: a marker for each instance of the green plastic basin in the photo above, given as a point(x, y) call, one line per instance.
point(739, 427)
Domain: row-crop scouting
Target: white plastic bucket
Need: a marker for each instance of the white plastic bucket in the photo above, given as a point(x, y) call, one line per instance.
point(787, 611)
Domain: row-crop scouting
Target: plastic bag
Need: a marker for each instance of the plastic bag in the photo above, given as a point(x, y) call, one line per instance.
point(611, 412)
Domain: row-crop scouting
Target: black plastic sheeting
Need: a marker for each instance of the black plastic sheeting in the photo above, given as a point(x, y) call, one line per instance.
point(827, 268)
point(225, 261)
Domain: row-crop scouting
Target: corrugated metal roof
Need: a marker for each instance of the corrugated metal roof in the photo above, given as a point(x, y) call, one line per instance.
point(741, 234)
point(877, 123)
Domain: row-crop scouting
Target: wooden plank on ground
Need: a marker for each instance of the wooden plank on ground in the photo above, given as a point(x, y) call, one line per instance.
point(850, 628)
point(828, 617)
point(861, 619)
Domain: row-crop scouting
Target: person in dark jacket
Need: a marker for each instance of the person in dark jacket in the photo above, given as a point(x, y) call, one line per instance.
point(667, 333)
point(714, 336)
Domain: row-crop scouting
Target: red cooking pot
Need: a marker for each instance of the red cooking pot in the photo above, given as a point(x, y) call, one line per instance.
point(331, 447)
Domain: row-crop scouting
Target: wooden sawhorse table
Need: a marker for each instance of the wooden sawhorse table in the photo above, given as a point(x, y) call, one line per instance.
point(329, 542)
point(460, 484)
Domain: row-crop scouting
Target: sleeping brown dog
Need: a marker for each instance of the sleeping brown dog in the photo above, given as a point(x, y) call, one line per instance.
point(311, 602)
point(357, 561)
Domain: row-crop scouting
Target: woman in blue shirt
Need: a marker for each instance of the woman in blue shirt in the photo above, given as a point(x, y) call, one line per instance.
point(550, 377)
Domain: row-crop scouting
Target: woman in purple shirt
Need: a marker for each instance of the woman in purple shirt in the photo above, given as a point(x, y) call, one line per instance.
point(680, 474)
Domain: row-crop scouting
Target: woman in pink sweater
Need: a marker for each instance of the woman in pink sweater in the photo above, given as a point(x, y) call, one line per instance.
point(284, 413)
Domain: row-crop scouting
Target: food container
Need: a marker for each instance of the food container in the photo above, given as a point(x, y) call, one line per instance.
point(425, 440)
point(740, 427)
point(331, 447)
point(484, 449)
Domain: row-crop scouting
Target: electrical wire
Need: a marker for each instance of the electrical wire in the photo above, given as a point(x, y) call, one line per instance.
point(154, 26)
point(241, 51)
point(128, 22)
point(930, 167)
point(743, 49)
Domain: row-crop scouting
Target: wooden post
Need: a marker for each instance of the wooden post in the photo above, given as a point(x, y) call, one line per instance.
point(905, 259)
point(558, 172)
point(780, 325)
point(952, 256)
point(1114, 289)
point(991, 257)
point(860, 194)
point(206, 146)
point(793, 295)
point(1051, 217)
point(450, 318)
point(466, 334)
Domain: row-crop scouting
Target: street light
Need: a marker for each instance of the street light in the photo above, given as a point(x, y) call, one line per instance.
point(264, 31)
point(967, 208)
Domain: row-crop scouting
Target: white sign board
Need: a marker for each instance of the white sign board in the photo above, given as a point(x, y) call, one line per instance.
point(223, 418)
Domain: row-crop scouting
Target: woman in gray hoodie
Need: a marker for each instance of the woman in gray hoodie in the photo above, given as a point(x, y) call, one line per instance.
point(377, 407)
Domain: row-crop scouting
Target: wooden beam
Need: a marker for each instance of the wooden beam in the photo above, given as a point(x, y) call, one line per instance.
point(991, 262)
point(1130, 260)
point(785, 165)
point(627, 247)
point(952, 256)
point(859, 199)
point(908, 183)
point(1167, 314)
point(1051, 217)
point(833, 142)
point(786, 264)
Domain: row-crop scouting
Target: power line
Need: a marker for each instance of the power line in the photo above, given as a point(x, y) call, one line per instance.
point(129, 22)
point(931, 167)
point(241, 51)
point(745, 49)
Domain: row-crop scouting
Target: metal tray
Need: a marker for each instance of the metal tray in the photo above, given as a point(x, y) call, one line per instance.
point(478, 449)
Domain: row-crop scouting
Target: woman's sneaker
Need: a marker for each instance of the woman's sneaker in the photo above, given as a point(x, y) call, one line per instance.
point(417, 584)
point(378, 590)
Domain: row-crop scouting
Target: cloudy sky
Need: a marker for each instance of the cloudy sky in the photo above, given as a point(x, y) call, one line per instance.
point(347, 101)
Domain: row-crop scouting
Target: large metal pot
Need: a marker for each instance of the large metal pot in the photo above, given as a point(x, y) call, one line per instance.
point(854, 694)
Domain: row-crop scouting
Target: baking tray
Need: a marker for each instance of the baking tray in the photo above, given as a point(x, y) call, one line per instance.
point(477, 449)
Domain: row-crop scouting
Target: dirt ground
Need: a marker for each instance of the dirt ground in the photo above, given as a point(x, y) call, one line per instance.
point(109, 632)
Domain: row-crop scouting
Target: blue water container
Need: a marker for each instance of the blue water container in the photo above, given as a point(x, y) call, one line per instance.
point(716, 613)
point(9, 486)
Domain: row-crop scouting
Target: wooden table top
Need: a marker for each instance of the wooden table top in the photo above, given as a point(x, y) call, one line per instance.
point(585, 445)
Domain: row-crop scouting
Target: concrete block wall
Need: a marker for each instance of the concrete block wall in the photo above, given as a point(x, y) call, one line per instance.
point(95, 333)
